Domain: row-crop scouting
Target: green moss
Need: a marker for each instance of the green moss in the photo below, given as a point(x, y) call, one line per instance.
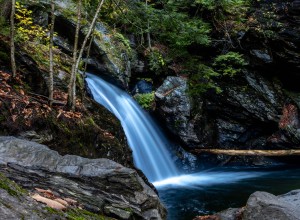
point(90, 121)
point(146, 100)
point(79, 80)
point(128, 210)
point(11, 187)
point(77, 214)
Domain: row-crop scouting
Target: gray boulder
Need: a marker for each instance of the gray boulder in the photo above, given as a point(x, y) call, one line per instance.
point(266, 206)
point(263, 205)
point(174, 106)
point(99, 185)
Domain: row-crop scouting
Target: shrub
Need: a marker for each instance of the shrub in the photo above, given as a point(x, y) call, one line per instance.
point(146, 100)
point(229, 64)
point(203, 80)
point(156, 60)
point(26, 29)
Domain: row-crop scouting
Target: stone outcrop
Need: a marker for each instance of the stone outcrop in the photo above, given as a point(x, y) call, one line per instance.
point(99, 185)
point(174, 106)
point(258, 108)
point(263, 205)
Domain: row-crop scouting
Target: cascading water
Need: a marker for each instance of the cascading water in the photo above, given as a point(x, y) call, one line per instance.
point(146, 141)
point(185, 196)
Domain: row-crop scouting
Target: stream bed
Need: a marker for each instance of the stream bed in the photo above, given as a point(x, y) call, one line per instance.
point(217, 189)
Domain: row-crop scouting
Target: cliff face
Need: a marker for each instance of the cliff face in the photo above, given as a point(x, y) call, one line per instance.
point(258, 108)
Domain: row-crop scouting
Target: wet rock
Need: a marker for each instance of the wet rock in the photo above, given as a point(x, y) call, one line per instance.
point(263, 56)
point(174, 106)
point(142, 87)
point(245, 114)
point(94, 183)
point(116, 212)
point(63, 44)
point(139, 67)
point(263, 205)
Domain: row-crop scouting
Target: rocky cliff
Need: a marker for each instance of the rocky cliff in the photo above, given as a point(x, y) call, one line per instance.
point(258, 108)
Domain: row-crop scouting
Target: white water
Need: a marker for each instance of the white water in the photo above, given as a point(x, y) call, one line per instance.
point(146, 141)
point(205, 179)
point(148, 144)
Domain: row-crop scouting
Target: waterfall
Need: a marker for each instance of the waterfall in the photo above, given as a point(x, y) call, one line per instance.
point(144, 137)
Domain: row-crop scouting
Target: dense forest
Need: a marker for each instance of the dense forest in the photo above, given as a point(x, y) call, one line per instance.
point(149, 109)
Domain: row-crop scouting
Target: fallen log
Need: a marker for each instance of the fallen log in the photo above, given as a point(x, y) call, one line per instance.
point(267, 153)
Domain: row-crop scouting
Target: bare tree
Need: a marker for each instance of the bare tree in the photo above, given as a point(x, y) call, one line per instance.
point(12, 37)
point(51, 53)
point(72, 93)
point(72, 84)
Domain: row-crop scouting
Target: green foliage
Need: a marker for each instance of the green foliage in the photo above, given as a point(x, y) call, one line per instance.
point(156, 60)
point(178, 30)
point(146, 100)
point(26, 29)
point(229, 64)
point(229, 6)
point(203, 80)
point(167, 25)
point(120, 37)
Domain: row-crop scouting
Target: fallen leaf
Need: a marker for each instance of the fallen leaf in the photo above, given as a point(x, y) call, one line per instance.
point(49, 202)
point(47, 193)
point(61, 201)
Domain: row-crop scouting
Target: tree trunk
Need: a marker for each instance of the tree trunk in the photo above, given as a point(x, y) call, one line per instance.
point(88, 55)
point(87, 36)
point(267, 153)
point(51, 53)
point(85, 66)
point(12, 37)
point(72, 85)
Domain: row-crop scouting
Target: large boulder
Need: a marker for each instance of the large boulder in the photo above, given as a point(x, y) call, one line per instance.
point(174, 106)
point(263, 205)
point(99, 185)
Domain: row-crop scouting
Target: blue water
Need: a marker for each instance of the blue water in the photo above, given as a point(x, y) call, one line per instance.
point(148, 144)
point(222, 188)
